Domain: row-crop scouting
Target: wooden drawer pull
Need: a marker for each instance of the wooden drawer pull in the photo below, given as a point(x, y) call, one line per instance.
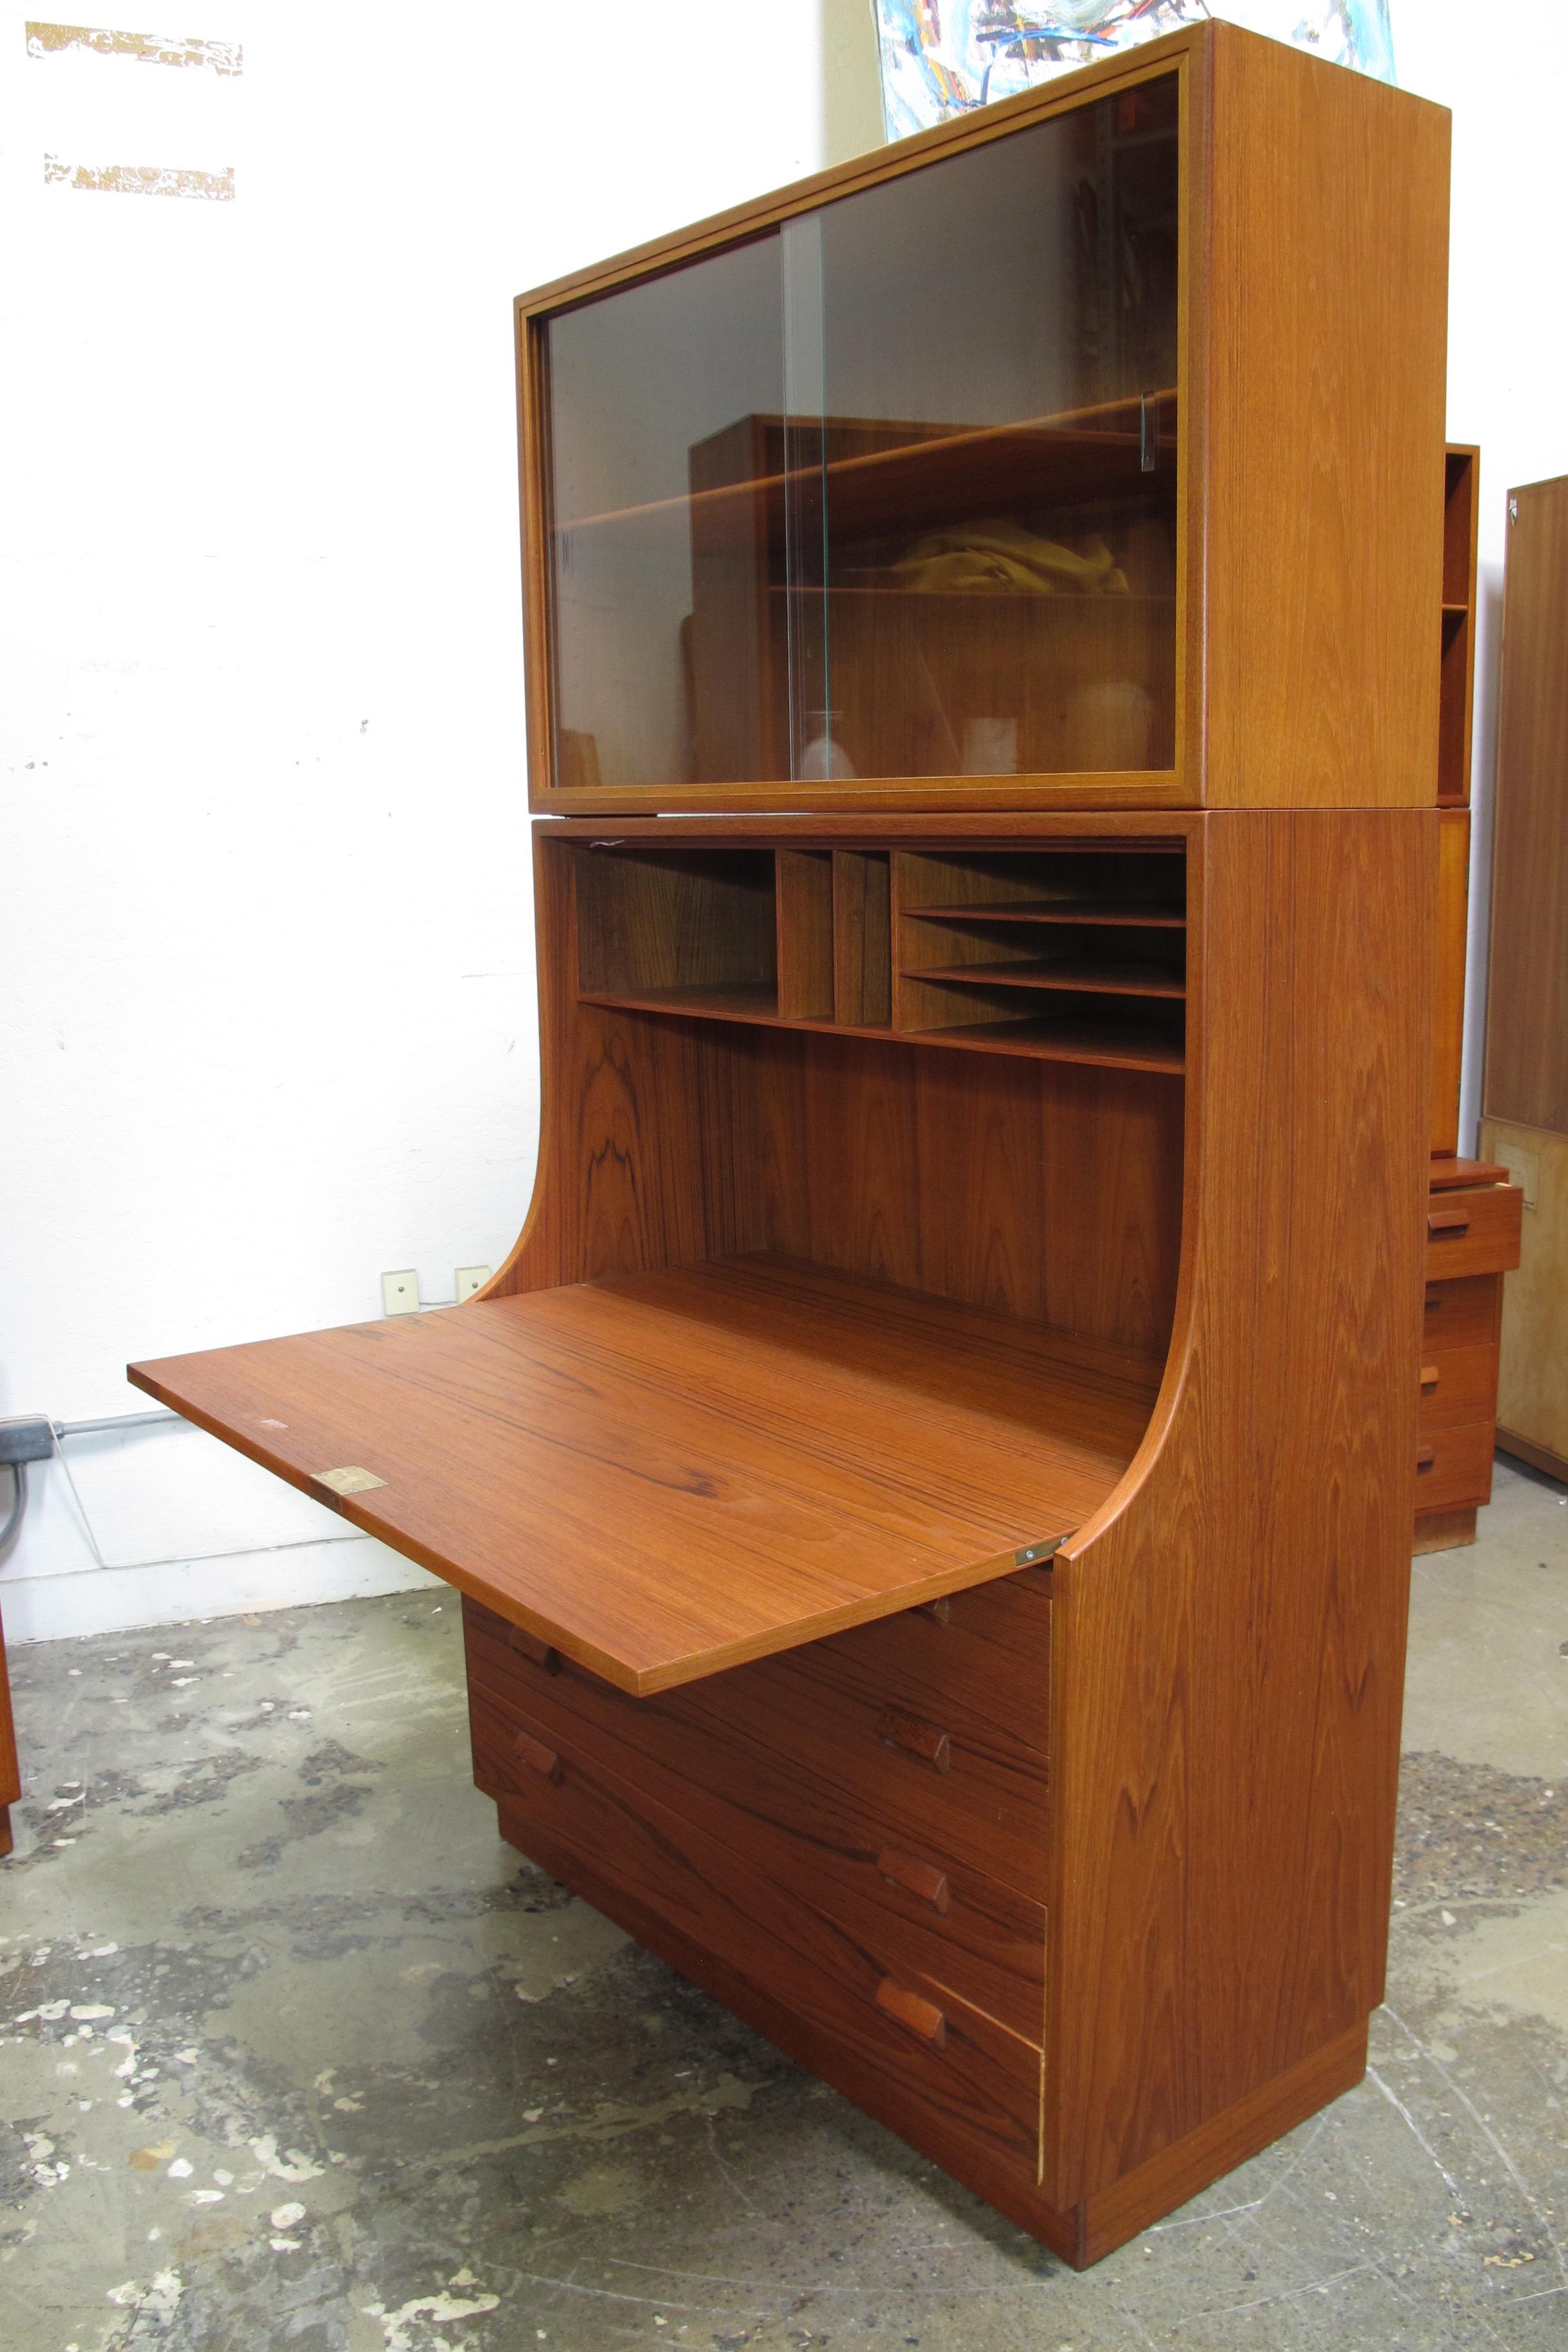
point(1429, 1376)
point(1425, 1457)
point(921, 1878)
point(921, 2017)
point(530, 1646)
point(1448, 1220)
point(535, 1753)
point(926, 1740)
point(1434, 1296)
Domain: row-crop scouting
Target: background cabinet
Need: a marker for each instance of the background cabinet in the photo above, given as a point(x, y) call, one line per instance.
point(1526, 1089)
point(932, 1486)
point(1468, 1211)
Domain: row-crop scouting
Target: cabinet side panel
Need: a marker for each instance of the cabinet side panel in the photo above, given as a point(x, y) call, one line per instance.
point(1229, 1642)
point(1325, 351)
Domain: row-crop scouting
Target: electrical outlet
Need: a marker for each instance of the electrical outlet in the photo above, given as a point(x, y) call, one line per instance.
point(468, 1279)
point(400, 1293)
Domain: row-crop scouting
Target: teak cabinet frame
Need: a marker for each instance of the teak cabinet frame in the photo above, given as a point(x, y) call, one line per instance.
point(1219, 1861)
point(932, 1493)
point(1306, 436)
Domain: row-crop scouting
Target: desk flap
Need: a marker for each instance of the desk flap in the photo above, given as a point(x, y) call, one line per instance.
point(669, 1474)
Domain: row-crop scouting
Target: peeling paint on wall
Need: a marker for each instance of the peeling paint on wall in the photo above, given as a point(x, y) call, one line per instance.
point(148, 48)
point(142, 179)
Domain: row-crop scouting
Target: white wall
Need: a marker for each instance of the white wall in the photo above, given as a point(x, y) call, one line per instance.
point(266, 1018)
point(1505, 75)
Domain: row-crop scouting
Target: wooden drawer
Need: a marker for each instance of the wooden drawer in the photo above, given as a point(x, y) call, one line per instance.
point(918, 1909)
point(1473, 1232)
point(1463, 1313)
point(976, 1659)
point(1458, 1385)
point(968, 2077)
point(839, 1738)
point(1454, 1468)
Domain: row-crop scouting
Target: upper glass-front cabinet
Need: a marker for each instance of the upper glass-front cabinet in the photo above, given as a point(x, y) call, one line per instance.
point(886, 491)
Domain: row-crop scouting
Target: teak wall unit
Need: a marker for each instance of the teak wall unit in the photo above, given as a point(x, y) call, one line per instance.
point(931, 1487)
point(1526, 1088)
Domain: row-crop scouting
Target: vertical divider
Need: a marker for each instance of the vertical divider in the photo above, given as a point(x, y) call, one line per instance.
point(862, 938)
point(905, 880)
point(804, 915)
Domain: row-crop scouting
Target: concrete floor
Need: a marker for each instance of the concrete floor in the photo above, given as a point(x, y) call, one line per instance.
point(293, 2052)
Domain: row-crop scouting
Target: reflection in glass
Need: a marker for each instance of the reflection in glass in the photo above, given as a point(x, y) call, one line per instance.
point(664, 398)
point(891, 492)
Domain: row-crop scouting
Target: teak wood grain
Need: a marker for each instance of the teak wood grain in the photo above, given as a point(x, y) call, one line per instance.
point(1047, 1193)
point(666, 1474)
point(1448, 1175)
point(807, 1730)
point(1473, 1230)
point(1311, 427)
point(824, 1827)
point(1322, 461)
point(1221, 1860)
point(804, 1979)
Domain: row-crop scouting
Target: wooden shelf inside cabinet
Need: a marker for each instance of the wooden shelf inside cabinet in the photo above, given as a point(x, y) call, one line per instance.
point(667, 1474)
point(934, 473)
point(981, 599)
point(1085, 978)
point(1121, 1048)
point(1063, 1041)
point(1132, 913)
point(755, 1000)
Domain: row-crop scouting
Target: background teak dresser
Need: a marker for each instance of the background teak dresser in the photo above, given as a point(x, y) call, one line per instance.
point(931, 1487)
point(1473, 1216)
